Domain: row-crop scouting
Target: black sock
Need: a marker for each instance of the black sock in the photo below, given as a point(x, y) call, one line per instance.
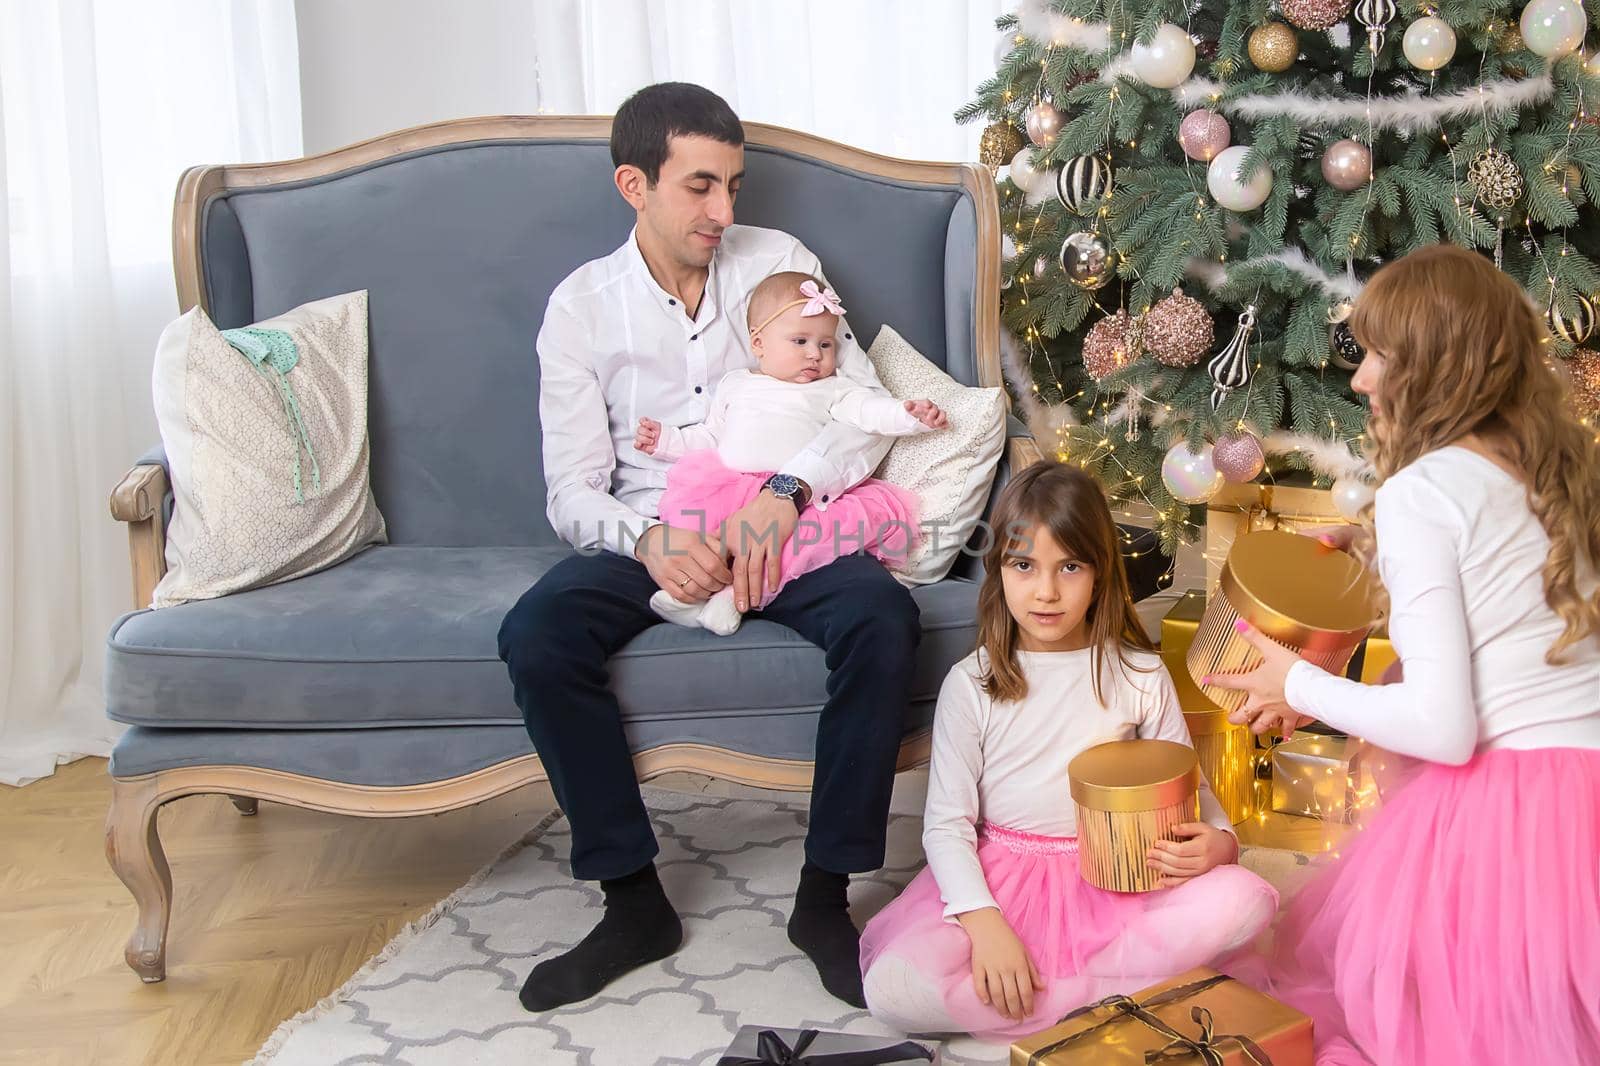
point(638, 927)
point(821, 927)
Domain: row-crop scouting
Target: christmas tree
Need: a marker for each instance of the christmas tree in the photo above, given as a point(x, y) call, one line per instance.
point(1194, 194)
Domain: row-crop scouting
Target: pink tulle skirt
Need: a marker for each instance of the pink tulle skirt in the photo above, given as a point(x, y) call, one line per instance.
point(875, 516)
point(1086, 942)
point(1461, 926)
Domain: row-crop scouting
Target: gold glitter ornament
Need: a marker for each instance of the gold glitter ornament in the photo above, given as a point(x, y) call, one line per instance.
point(1583, 374)
point(1178, 330)
point(1495, 178)
point(1315, 14)
point(1111, 344)
point(1273, 47)
point(999, 143)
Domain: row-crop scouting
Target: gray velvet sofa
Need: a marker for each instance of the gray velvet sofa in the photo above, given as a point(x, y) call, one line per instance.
point(373, 688)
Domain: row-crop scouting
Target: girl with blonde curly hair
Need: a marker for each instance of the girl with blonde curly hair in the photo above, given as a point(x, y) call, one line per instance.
point(1463, 924)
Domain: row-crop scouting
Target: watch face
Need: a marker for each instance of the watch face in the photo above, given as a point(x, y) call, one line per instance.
point(783, 485)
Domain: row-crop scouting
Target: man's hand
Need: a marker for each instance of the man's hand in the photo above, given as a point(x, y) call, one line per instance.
point(755, 535)
point(1265, 707)
point(686, 565)
point(1204, 847)
point(1003, 975)
point(927, 412)
point(647, 436)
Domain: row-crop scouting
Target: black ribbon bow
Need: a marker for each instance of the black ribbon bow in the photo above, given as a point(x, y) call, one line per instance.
point(772, 1051)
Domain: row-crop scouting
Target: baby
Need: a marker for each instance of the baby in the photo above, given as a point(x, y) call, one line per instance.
point(760, 419)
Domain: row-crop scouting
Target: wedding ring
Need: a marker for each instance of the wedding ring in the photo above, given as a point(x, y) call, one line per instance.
point(683, 582)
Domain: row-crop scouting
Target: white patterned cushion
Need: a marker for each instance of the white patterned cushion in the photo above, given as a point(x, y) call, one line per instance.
point(237, 523)
point(952, 470)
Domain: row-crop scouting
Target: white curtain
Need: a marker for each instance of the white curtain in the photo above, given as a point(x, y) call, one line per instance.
point(105, 102)
point(885, 75)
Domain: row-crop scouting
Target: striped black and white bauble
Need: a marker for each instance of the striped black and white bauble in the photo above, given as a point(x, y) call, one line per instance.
point(1576, 328)
point(1082, 179)
point(1375, 15)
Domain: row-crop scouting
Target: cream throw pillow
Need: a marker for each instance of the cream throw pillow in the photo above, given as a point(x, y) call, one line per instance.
point(238, 523)
point(950, 471)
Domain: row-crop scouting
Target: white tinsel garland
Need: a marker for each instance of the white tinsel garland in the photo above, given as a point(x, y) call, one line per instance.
point(1341, 286)
point(1411, 113)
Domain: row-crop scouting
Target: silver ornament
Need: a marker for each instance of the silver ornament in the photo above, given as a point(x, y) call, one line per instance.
point(1347, 351)
point(1043, 121)
point(1576, 328)
point(1495, 177)
point(1230, 368)
point(1086, 260)
point(1081, 180)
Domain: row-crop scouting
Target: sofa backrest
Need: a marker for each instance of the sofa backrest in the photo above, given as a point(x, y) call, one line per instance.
point(460, 231)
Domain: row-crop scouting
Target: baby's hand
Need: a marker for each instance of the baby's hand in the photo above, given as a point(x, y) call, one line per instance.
point(647, 436)
point(927, 412)
point(1205, 848)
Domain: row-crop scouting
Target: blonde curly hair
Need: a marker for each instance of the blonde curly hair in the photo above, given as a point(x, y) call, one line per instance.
point(1464, 352)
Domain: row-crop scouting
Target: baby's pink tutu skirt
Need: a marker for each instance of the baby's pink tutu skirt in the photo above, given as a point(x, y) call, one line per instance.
point(1068, 927)
point(1461, 926)
point(875, 516)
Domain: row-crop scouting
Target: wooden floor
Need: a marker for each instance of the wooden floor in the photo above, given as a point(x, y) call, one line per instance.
point(270, 913)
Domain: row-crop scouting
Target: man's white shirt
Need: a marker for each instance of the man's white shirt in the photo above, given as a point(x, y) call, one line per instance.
point(616, 347)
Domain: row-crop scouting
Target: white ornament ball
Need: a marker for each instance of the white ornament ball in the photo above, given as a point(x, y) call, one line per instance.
point(1190, 476)
point(1167, 61)
point(1553, 28)
point(1227, 186)
point(1429, 43)
point(1591, 66)
point(1350, 495)
point(1036, 184)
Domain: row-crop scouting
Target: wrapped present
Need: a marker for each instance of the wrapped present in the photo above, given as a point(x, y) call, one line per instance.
point(1318, 776)
point(1291, 504)
point(1201, 1018)
point(756, 1045)
point(1129, 794)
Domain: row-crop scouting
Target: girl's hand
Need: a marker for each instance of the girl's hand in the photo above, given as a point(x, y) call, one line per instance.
point(927, 412)
point(1002, 973)
point(647, 436)
point(1333, 536)
point(1204, 848)
point(1265, 707)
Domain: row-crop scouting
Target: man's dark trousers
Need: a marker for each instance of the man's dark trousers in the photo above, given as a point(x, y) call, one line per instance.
point(556, 642)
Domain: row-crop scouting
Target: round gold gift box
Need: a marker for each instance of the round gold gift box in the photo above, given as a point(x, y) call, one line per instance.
point(1227, 755)
point(1129, 794)
point(1312, 599)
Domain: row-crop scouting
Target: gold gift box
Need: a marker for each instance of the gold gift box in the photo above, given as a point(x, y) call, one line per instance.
point(1291, 504)
point(1129, 794)
point(1213, 1018)
point(1316, 776)
point(1306, 596)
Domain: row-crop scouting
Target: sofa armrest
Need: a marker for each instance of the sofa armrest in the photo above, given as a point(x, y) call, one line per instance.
point(141, 500)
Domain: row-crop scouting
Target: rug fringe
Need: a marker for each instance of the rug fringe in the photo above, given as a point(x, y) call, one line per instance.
point(280, 1036)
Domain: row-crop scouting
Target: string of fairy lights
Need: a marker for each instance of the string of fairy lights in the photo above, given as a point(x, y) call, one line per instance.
point(1106, 405)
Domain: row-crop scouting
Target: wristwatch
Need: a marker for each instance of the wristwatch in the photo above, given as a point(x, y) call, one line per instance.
point(788, 487)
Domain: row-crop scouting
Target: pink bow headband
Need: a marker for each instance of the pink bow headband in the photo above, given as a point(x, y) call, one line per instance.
point(816, 302)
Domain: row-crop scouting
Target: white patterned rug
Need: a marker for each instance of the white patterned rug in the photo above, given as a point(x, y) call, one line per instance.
point(444, 992)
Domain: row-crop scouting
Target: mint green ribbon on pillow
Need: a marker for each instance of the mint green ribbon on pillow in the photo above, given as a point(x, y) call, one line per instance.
point(273, 354)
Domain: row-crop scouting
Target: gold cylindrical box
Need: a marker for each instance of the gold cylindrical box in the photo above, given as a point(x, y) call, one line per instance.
point(1227, 755)
point(1312, 599)
point(1129, 794)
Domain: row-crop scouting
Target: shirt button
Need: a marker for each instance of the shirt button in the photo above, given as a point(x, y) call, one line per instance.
point(697, 389)
point(824, 499)
point(847, 336)
point(672, 303)
point(694, 337)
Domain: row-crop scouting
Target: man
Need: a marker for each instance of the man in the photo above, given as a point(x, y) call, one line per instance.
point(650, 329)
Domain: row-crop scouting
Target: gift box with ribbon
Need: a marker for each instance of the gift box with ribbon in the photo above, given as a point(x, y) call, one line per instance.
point(1200, 1018)
point(1319, 776)
point(760, 1046)
point(1291, 504)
